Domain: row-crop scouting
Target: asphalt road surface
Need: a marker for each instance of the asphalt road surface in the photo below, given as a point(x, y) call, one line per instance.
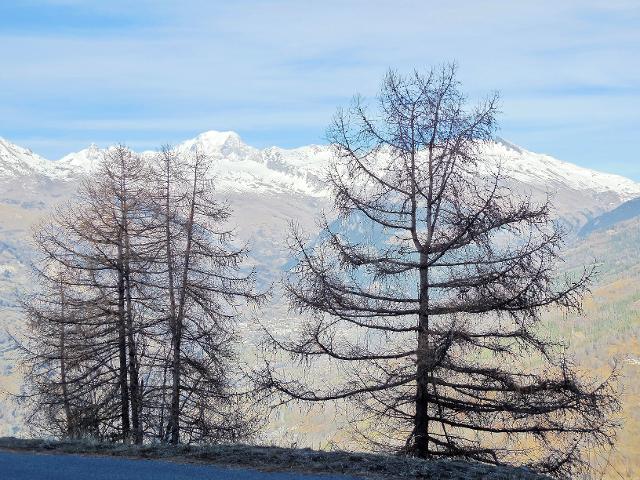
point(36, 466)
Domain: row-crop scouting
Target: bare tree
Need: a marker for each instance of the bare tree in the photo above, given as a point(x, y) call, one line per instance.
point(202, 286)
point(71, 378)
point(47, 370)
point(141, 326)
point(427, 292)
point(92, 240)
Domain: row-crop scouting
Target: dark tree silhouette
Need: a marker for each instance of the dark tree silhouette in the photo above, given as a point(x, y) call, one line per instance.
point(427, 291)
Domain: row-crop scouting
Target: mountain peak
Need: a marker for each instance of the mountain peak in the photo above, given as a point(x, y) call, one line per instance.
point(9, 147)
point(217, 138)
point(83, 161)
point(241, 167)
point(215, 143)
point(17, 160)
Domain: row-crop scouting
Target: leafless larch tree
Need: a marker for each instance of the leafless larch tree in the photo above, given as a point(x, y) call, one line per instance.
point(132, 321)
point(65, 393)
point(90, 250)
point(199, 287)
point(427, 292)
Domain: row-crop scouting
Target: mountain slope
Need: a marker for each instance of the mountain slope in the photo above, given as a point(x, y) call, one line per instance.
point(627, 211)
point(541, 169)
point(240, 167)
point(16, 161)
point(236, 166)
point(579, 194)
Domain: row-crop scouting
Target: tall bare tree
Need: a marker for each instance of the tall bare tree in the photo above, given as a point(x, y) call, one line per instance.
point(92, 240)
point(203, 286)
point(428, 290)
point(143, 320)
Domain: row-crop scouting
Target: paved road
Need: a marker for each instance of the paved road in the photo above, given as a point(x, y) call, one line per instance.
point(34, 466)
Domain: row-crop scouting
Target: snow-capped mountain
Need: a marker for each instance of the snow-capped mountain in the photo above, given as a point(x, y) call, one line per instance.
point(238, 167)
point(270, 187)
point(541, 169)
point(17, 161)
point(578, 193)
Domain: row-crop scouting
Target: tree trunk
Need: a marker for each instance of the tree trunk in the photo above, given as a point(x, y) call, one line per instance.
point(423, 366)
point(174, 410)
point(175, 387)
point(63, 370)
point(161, 430)
point(177, 337)
point(122, 350)
point(134, 384)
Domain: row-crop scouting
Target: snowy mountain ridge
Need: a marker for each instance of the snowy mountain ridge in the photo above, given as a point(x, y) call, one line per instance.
point(533, 167)
point(241, 167)
point(19, 161)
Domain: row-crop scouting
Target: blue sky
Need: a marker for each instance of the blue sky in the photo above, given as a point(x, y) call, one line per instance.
point(153, 72)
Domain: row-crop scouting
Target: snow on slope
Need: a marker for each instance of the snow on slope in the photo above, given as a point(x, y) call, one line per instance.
point(236, 166)
point(239, 167)
point(81, 162)
point(17, 161)
point(578, 193)
point(530, 167)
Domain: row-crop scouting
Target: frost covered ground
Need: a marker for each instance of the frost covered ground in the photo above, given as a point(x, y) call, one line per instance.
point(22, 459)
